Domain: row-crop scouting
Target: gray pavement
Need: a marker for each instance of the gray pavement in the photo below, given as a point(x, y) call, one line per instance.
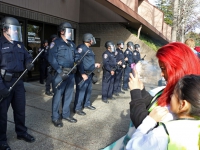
point(94, 131)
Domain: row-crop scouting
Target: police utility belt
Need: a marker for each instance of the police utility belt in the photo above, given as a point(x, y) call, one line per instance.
point(87, 72)
point(67, 70)
point(7, 76)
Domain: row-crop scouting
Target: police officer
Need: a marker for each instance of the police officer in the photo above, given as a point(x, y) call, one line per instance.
point(128, 54)
point(43, 61)
point(61, 58)
point(50, 72)
point(136, 54)
point(85, 69)
point(14, 59)
point(109, 67)
point(119, 71)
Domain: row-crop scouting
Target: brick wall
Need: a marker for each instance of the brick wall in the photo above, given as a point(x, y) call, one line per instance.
point(148, 69)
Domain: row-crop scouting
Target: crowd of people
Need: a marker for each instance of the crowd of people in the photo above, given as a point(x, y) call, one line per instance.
point(65, 65)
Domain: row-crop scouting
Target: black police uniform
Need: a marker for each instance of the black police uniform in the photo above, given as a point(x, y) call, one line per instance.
point(87, 65)
point(43, 63)
point(129, 54)
point(13, 57)
point(136, 56)
point(61, 58)
point(109, 64)
point(119, 71)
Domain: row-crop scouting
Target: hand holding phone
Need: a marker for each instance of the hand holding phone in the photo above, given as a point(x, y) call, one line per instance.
point(133, 67)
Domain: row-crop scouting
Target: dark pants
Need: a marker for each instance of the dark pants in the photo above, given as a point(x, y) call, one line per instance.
point(107, 87)
point(127, 71)
point(62, 94)
point(83, 92)
point(117, 80)
point(49, 80)
point(43, 71)
point(17, 101)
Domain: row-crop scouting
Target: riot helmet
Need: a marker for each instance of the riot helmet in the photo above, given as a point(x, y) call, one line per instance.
point(137, 47)
point(68, 31)
point(12, 28)
point(88, 37)
point(53, 37)
point(120, 44)
point(111, 45)
point(130, 45)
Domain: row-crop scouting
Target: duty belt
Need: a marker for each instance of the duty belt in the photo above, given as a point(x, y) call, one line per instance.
point(16, 74)
point(87, 72)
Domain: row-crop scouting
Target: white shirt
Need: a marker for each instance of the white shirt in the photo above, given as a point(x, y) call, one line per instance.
point(146, 137)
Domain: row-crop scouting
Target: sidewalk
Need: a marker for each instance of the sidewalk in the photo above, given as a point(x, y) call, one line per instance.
point(96, 130)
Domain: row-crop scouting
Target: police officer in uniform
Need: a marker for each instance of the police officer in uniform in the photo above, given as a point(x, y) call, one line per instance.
point(50, 72)
point(136, 54)
point(119, 71)
point(62, 58)
point(43, 61)
point(85, 69)
point(109, 67)
point(128, 54)
point(14, 59)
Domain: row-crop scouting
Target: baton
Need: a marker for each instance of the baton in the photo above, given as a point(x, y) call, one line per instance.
point(87, 75)
point(73, 68)
point(23, 73)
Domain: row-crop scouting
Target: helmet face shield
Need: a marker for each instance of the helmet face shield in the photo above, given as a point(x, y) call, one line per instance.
point(121, 45)
point(93, 41)
point(112, 47)
point(69, 34)
point(14, 32)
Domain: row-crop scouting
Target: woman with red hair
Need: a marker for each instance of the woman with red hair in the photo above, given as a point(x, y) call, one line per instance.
point(175, 60)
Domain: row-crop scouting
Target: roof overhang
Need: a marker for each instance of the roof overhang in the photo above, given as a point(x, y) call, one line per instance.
point(134, 19)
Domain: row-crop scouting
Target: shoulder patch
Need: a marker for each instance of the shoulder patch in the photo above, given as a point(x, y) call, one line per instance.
point(52, 45)
point(80, 50)
point(105, 56)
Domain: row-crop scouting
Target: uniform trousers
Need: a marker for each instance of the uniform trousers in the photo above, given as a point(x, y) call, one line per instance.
point(17, 101)
point(127, 71)
point(83, 92)
point(64, 94)
point(118, 80)
point(107, 86)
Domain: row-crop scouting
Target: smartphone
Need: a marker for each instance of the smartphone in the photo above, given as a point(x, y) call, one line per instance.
point(133, 67)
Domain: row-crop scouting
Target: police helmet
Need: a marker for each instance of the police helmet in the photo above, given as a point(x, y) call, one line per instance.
point(64, 25)
point(88, 37)
point(12, 24)
point(137, 46)
point(45, 41)
point(53, 36)
point(5, 22)
point(120, 42)
point(111, 45)
point(68, 31)
point(129, 44)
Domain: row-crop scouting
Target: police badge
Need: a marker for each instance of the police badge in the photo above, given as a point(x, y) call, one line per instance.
point(19, 45)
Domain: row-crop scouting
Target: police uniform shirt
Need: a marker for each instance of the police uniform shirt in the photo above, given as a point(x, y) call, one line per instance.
point(136, 56)
point(120, 56)
point(13, 57)
point(109, 61)
point(44, 55)
point(88, 62)
point(129, 54)
point(62, 54)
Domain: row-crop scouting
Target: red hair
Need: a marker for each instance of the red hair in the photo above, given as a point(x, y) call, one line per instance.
point(179, 61)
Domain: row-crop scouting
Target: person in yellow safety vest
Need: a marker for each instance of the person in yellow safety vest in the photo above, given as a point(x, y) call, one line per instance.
point(180, 134)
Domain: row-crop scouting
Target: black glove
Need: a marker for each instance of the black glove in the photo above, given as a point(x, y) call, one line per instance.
point(74, 70)
point(78, 62)
point(4, 93)
point(94, 78)
point(63, 75)
point(29, 66)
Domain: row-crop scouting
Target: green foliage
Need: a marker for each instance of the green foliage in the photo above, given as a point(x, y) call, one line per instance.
point(153, 44)
point(166, 7)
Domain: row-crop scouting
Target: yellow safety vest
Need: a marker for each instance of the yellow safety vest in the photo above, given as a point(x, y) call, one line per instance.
point(183, 134)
